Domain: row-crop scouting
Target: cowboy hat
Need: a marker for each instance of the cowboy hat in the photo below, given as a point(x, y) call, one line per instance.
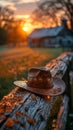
point(58, 85)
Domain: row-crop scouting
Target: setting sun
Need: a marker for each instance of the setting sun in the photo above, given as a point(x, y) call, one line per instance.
point(26, 29)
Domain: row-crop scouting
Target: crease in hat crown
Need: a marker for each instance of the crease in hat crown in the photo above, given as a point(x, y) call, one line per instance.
point(32, 74)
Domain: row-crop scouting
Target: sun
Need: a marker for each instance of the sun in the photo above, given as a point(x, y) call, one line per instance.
point(26, 29)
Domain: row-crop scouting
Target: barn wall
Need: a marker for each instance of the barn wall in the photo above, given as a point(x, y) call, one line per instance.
point(65, 40)
point(42, 42)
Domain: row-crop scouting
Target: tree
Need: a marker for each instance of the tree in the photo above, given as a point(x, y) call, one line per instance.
point(17, 35)
point(3, 36)
point(54, 11)
point(6, 21)
point(10, 28)
point(6, 17)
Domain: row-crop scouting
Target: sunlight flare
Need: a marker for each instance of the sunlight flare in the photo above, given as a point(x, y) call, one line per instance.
point(27, 27)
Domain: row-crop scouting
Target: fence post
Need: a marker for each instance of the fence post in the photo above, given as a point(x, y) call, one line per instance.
point(66, 78)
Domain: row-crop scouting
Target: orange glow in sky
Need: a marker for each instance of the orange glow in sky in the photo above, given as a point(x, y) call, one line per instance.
point(27, 27)
point(23, 16)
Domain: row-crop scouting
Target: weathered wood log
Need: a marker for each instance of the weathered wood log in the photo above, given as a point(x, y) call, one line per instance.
point(23, 110)
point(62, 115)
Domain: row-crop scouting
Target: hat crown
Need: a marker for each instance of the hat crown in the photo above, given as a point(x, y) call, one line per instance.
point(35, 71)
point(40, 78)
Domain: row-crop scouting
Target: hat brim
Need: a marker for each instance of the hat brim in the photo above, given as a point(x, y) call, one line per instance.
point(59, 88)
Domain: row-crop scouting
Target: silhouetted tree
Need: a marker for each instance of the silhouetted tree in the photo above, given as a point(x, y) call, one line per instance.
point(54, 11)
point(6, 17)
point(3, 36)
point(6, 21)
point(10, 28)
point(17, 35)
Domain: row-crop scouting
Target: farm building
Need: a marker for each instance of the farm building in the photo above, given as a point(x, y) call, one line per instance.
point(51, 37)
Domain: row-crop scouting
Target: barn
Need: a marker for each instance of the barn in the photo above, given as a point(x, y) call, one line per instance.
point(51, 37)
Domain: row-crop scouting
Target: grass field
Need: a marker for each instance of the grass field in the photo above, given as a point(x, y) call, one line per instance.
point(4, 48)
point(53, 51)
point(14, 64)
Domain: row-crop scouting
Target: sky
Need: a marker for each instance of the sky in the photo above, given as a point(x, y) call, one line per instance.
point(22, 8)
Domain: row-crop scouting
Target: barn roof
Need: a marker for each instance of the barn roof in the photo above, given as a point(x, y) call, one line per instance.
point(46, 32)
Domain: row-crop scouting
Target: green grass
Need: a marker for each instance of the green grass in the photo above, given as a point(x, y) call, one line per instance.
point(7, 83)
point(7, 86)
point(53, 51)
point(4, 48)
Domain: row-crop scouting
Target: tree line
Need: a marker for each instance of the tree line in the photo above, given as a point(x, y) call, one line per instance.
point(10, 28)
point(53, 11)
